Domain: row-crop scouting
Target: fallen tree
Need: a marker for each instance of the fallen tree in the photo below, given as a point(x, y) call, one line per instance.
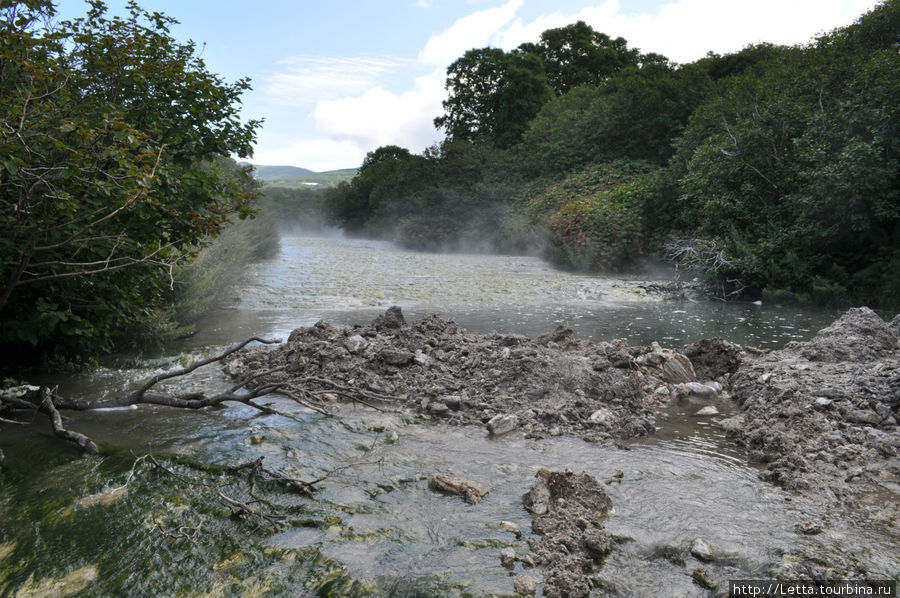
point(25, 401)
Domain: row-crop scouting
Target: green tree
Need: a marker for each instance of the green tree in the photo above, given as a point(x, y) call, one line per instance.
point(793, 170)
point(576, 55)
point(492, 96)
point(111, 140)
point(635, 114)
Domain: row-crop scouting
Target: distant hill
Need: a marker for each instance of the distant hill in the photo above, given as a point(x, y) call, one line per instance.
point(279, 173)
point(295, 177)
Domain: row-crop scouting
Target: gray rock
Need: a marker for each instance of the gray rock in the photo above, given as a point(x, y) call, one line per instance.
point(858, 335)
point(502, 424)
point(863, 416)
point(895, 326)
point(452, 401)
point(701, 550)
point(696, 389)
point(392, 318)
point(678, 369)
point(508, 557)
point(601, 416)
point(355, 344)
point(708, 410)
point(525, 585)
point(437, 408)
point(397, 357)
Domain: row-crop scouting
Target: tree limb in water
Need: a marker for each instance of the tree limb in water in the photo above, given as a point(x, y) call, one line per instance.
point(47, 401)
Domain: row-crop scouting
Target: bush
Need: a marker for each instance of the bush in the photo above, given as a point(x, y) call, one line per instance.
point(594, 217)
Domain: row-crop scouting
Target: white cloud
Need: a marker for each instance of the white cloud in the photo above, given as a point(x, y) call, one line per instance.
point(473, 31)
point(685, 30)
point(380, 117)
point(308, 79)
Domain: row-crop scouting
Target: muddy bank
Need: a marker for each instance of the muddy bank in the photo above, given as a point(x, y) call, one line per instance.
point(823, 414)
point(555, 384)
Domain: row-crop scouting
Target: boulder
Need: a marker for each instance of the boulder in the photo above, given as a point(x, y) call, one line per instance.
point(502, 424)
point(355, 344)
point(678, 369)
point(525, 585)
point(701, 550)
point(392, 319)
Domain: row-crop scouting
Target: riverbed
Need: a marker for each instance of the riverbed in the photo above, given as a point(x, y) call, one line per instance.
point(375, 528)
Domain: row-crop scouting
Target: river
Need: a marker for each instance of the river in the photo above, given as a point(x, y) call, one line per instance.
point(374, 528)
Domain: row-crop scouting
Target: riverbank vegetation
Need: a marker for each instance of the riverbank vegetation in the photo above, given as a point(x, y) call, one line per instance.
point(773, 169)
point(115, 169)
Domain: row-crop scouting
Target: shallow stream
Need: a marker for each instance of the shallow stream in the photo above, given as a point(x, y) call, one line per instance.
point(375, 528)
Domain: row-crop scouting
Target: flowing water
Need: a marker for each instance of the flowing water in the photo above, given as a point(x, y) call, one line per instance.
point(375, 528)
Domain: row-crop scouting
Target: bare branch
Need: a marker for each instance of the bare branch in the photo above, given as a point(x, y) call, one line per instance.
point(86, 444)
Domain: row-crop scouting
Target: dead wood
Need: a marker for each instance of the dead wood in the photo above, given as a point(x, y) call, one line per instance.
point(47, 401)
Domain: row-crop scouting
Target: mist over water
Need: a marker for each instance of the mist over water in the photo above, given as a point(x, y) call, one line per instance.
point(351, 281)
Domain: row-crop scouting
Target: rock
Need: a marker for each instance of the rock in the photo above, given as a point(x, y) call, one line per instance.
point(864, 417)
point(678, 369)
point(708, 410)
point(392, 319)
point(257, 439)
point(355, 344)
point(601, 416)
point(823, 403)
point(502, 424)
point(597, 543)
point(701, 550)
point(508, 557)
point(471, 491)
point(509, 526)
point(452, 401)
point(809, 528)
point(396, 357)
point(438, 408)
point(701, 578)
point(895, 325)
point(696, 389)
point(525, 585)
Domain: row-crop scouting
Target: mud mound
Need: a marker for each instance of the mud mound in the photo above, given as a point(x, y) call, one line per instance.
point(552, 385)
point(859, 335)
point(823, 414)
point(568, 512)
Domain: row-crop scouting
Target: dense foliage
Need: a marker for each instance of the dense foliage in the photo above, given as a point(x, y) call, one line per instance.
point(780, 162)
point(113, 169)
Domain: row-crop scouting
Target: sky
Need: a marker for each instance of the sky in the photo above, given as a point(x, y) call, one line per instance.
point(336, 79)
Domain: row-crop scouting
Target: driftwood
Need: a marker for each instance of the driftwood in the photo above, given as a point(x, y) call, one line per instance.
point(47, 401)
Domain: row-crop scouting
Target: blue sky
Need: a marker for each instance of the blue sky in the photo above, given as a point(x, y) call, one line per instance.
point(335, 79)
